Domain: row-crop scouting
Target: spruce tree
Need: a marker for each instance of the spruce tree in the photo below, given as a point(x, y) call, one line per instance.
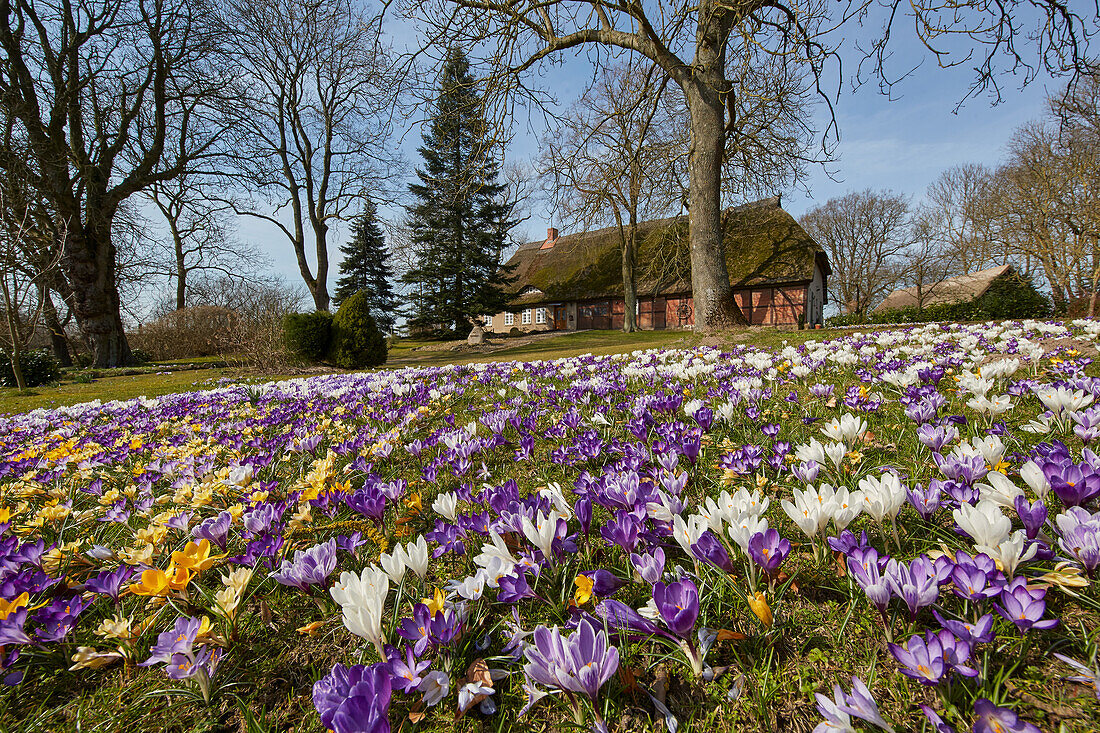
point(461, 219)
point(366, 268)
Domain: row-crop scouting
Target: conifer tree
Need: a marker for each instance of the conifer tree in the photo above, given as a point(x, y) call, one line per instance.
point(461, 218)
point(366, 268)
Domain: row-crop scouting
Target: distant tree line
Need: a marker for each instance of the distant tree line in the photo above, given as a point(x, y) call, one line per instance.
point(1039, 211)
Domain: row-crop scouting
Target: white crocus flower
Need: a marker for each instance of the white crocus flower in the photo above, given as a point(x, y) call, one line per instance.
point(882, 497)
point(809, 511)
point(394, 564)
point(363, 600)
point(999, 489)
point(846, 429)
point(1034, 477)
point(436, 686)
point(446, 505)
point(984, 523)
point(1010, 552)
point(416, 556)
point(1060, 399)
point(687, 532)
point(542, 532)
point(743, 527)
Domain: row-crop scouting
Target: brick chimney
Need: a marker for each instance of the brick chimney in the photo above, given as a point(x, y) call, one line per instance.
point(551, 237)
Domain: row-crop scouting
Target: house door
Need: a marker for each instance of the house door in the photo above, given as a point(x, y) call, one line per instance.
point(559, 317)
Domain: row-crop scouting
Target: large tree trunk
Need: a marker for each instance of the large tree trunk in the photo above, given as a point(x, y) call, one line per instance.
point(715, 307)
point(59, 343)
point(89, 262)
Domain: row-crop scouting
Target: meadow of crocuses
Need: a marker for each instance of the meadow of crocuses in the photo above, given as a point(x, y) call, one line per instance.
point(893, 530)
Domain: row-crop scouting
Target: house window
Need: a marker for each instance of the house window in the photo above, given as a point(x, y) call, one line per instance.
point(509, 319)
point(540, 315)
point(488, 321)
point(526, 316)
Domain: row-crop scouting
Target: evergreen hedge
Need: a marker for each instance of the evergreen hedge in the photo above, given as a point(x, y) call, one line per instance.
point(357, 342)
point(308, 335)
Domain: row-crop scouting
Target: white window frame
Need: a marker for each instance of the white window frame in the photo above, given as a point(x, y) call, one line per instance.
point(488, 321)
point(525, 317)
point(540, 315)
point(509, 319)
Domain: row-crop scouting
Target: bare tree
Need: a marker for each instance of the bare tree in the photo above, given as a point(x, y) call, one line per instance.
point(692, 45)
point(615, 157)
point(866, 235)
point(200, 237)
point(28, 256)
point(94, 89)
point(956, 215)
point(316, 89)
point(1048, 208)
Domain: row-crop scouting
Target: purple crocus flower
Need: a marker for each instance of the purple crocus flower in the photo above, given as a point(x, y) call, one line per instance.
point(768, 550)
point(110, 582)
point(860, 704)
point(310, 567)
point(980, 632)
point(214, 529)
point(915, 583)
point(581, 662)
point(976, 578)
point(405, 674)
point(604, 582)
point(622, 530)
point(1081, 537)
point(993, 719)
point(11, 628)
point(513, 588)
point(708, 548)
point(622, 617)
point(926, 501)
point(650, 567)
point(863, 565)
point(937, 722)
point(59, 617)
point(928, 660)
point(1074, 484)
point(354, 699)
point(1034, 516)
point(678, 604)
point(1024, 607)
point(417, 629)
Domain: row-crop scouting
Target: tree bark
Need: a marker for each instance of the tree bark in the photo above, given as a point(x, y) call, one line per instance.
point(59, 343)
point(89, 262)
point(181, 270)
point(715, 307)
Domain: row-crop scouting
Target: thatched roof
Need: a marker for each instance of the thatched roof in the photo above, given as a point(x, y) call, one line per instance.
point(764, 246)
point(960, 289)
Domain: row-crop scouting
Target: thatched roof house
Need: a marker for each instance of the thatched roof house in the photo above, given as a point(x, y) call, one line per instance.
point(574, 281)
point(960, 289)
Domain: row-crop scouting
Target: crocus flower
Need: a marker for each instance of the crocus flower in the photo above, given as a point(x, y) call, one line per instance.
point(651, 566)
point(354, 699)
point(993, 719)
point(929, 658)
point(110, 582)
point(1024, 607)
point(708, 548)
point(860, 704)
point(214, 529)
point(363, 598)
point(1087, 676)
point(768, 550)
point(417, 629)
point(678, 604)
point(581, 662)
point(405, 673)
point(310, 567)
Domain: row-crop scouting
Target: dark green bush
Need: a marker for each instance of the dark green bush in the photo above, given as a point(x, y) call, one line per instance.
point(1009, 297)
point(38, 366)
point(357, 342)
point(308, 335)
point(140, 357)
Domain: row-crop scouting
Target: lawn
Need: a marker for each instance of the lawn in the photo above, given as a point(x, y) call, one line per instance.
point(884, 530)
point(167, 379)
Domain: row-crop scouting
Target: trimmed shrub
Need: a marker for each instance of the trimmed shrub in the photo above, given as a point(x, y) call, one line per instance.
point(308, 335)
point(357, 342)
point(38, 366)
point(140, 357)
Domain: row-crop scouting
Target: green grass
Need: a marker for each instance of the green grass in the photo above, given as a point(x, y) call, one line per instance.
point(402, 354)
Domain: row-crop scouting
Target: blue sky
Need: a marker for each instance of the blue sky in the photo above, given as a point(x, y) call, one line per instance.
point(901, 144)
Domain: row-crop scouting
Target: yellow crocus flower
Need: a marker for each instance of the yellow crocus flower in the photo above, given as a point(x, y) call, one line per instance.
point(759, 606)
point(584, 589)
point(7, 607)
point(154, 582)
point(435, 603)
